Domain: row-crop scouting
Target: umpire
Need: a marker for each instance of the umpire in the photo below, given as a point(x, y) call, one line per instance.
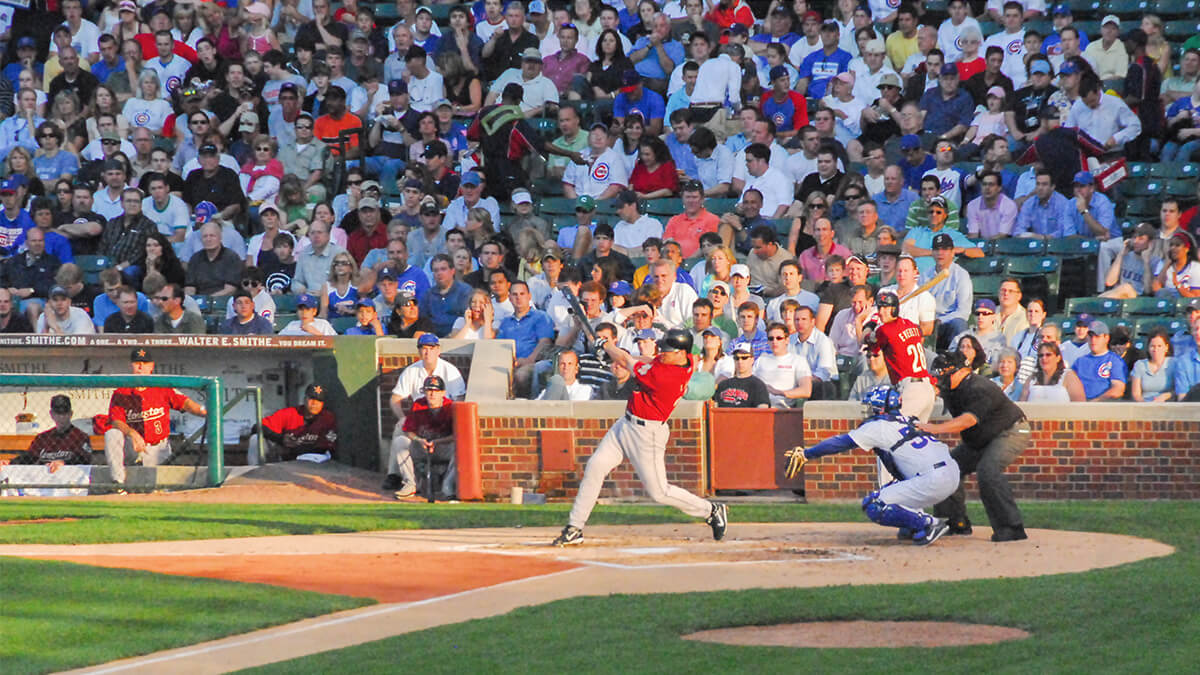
point(994, 432)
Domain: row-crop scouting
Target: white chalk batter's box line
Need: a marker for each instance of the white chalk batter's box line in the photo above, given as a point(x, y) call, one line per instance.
point(538, 548)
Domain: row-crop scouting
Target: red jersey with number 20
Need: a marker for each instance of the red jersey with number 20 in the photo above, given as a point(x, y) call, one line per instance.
point(659, 388)
point(148, 411)
point(903, 349)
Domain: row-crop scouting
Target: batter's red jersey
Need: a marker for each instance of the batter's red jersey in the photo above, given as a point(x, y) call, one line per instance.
point(659, 388)
point(903, 349)
point(148, 410)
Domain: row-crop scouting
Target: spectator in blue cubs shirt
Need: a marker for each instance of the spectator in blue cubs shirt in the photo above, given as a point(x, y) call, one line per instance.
point(819, 67)
point(368, 319)
point(785, 107)
point(634, 95)
point(1101, 371)
point(14, 220)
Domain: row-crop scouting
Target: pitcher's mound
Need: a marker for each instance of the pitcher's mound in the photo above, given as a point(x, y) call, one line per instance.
point(857, 634)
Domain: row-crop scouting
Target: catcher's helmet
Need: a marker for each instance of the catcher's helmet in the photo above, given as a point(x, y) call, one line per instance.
point(883, 399)
point(887, 299)
point(946, 364)
point(676, 340)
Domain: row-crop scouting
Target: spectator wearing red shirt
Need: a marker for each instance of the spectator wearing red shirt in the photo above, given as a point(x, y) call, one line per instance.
point(654, 176)
point(728, 12)
point(784, 106)
point(299, 429)
point(370, 234)
point(328, 126)
point(427, 434)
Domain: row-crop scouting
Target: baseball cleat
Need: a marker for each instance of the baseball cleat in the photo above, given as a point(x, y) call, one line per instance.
point(406, 490)
point(392, 483)
point(719, 520)
point(570, 536)
point(1009, 534)
point(904, 534)
point(960, 526)
point(932, 533)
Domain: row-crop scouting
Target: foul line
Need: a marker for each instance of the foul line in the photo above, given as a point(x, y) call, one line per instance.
point(318, 624)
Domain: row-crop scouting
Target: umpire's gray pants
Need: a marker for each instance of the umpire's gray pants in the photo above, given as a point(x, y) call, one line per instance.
point(989, 463)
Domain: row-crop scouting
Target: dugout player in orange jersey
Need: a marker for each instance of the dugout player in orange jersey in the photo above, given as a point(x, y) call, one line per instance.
point(902, 345)
point(641, 435)
point(62, 445)
point(140, 420)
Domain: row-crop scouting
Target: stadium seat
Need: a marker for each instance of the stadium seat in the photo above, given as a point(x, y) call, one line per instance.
point(1066, 324)
point(668, 206)
point(1042, 26)
point(1116, 84)
point(284, 318)
point(548, 187)
point(441, 12)
point(1172, 9)
point(1137, 187)
point(1140, 169)
point(341, 323)
point(720, 205)
point(218, 306)
point(1035, 272)
point(1089, 28)
point(1126, 8)
point(1030, 266)
point(1146, 325)
point(92, 265)
point(986, 287)
point(545, 126)
point(1182, 188)
point(783, 226)
point(985, 266)
point(1094, 306)
point(1141, 208)
point(1181, 29)
point(203, 302)
point(1147, 306)
point(284, 304)
point(1085, 8)
point(1168, 169)
point(1017, 246)
point(1072, 247)
point(556, 205)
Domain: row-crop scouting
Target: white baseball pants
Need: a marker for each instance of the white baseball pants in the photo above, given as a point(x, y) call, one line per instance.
point(118, 450)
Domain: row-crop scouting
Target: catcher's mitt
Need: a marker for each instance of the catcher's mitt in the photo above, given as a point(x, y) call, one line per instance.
point(796, 461)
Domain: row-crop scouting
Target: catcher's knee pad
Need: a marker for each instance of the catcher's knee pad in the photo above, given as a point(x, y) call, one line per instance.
point(893, 515)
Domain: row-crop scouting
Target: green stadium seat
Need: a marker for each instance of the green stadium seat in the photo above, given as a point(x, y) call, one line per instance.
point(989, 27)
point(284, 304)
point(1090, 28)
point(556, 205)
point(986, 287)
point(1142, 208)
point(669, 206)
point(1146, 325)
point(1168, 169)
point(1085, 8)
point(1182, 188)
point(1181, 29)
point(441, 12)
point(720, 205)
point(1138, 187)
point(1147, 306)
point(91, 266)
point(341, 323)
point(218, 306)
point(783, 227)
point(1072, 247)
point(1066, 324)
point(548, 187)
point(204, 302)
point(1140, 169)
point(1126, 8)
point(1095, 306)
point(1177, 9)
point(385, 12)
point(1018, 246)
point(985, 266)
point(1031, 267)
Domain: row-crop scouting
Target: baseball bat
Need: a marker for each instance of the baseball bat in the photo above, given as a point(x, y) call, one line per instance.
point(942, 276)
point(577, 309)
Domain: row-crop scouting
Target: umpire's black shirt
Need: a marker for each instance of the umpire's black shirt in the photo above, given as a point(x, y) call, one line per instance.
point(987, 402)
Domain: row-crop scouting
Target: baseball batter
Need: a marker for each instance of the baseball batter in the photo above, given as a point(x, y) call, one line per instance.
point(641, 436)
point(925, 473)
point(902, 345)
point(140, 419)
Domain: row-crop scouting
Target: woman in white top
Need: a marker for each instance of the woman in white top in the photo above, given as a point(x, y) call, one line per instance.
point(476, 322)
point(147, 108)
point(1179, 275)
point(1006, 373)
point(1052, 380)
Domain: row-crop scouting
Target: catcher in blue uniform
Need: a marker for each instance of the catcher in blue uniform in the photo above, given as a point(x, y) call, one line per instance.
point(924, 472)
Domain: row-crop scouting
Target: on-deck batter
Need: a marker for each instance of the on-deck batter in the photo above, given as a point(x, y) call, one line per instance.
point(641, 435)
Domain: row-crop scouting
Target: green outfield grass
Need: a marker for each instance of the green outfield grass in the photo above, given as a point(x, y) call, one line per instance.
point(1136, 618)
point(1139, 617)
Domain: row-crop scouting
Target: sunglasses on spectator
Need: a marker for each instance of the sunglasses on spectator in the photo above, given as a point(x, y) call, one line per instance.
point(743, 357)
point(303, 126)
point(250, 284)
point(816, 205)
point(264, 148)
point(719, 291)
point(162, 298)
point(854, 195)
point(777, 338)
point(198, 121)
point(354, 182)
point(984, 313)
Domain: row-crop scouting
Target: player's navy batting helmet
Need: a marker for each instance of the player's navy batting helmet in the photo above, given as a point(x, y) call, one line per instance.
point(887, 299)
point(676, 340)
point(883, 400)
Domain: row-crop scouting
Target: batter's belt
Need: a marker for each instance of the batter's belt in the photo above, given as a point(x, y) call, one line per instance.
point(639, 421)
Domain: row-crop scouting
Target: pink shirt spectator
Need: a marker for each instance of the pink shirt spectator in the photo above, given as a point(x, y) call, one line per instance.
point(989, 223)
point(813, 264)
point(560, 69)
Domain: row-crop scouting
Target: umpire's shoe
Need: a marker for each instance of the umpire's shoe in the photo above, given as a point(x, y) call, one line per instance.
point(961, 526)
point(719, 520)
point(570, 536)
point(932, 533)
point(1009, 534)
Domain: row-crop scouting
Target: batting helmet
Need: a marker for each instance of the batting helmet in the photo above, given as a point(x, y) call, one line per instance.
point(887, 299)
point(883, 400)
point(946, 364)
point(676, 340)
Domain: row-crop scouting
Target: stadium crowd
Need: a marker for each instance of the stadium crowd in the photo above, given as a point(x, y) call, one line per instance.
point(754, 172)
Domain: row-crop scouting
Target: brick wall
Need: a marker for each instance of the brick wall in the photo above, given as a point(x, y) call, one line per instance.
point(511, 456)
point(1068, 459)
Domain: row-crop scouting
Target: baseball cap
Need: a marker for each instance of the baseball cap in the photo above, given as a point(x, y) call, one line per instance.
point(740, 269)
point(414, 183)
point(424, 9)
point(602, 125)
point(397, 87)
point(521, 196)
point(1145, 229)
point(1084, 178)
point(552, 250)
point(743, 348)
point(630, 79)
point(435, 149)
point(364, 301)
point(874, 46)
point(938, 200)
point(984, 303)
point(428, 340)
point(846, 76)
point(910, 142)
point(1068, 68)
point(60, 403)
point(537, 7)
point(1083, 319)
point(57, 291)
point(111, 164)
point(1041, 66)
point(1098, 328)
point(998, 92)
point(471, 178)
point(306, 300)
point(249, 120)
point(443, 102)
point(15, 181)
point(888, 80)
point(812, 15)
point(127, 6)
point(646, 334)
point(585, 203)
point(433, 382)
point(26, 43)
point(291, 86)
point(532, 54)
point(110, 136)
point(943, 240)
point(887, 249)
point(259, 8)
point(949, 69)
point(388, 272)
point(1061, 9)
point(371, 185)
point(267, 206)
point(141, 355)
point(368, 203)
point(620, 287)
point(404, 298)
point(429, 204)
point(1111, 18)
point(738, 29)
point(204, 211)
point(721, 285)
point(777, 72)
point(314, 392)
point(209, 149)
